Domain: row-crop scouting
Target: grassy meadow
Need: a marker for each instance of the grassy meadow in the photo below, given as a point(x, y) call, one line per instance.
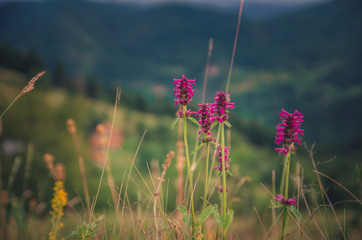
point(82, 158)
point(125, 178)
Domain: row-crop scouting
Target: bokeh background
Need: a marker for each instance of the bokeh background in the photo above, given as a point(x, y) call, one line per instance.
point(303, 55)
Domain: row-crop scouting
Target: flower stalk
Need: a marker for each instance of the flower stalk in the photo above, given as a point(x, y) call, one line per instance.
point(287, 134)
point(189, 172)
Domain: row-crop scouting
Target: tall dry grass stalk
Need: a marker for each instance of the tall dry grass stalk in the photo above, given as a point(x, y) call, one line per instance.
point(118, 98)
point(156, 199)
point(207, 70)
point(73, 131)
point(49, 161)
point(323, 191)
point(180, 165)
point(234, 47)
point(29, 160)
point(28, 88)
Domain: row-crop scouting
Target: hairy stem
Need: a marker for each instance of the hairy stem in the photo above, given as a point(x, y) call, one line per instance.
point(287, 166)
point(189, 173)
point(223, 177)
point(206, 182)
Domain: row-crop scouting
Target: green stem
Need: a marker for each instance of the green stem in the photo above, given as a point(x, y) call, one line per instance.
point(223, 177)
point(189, 173)
point(206, 174)
point(287, 166)
point(16, 98)
point(206, 184)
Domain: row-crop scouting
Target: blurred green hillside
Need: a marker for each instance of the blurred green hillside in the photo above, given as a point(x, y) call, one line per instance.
point(38, 118)
point(307, 61)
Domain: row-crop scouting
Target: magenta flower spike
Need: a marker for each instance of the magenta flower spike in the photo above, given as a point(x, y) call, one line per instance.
point(206, 118)
point(220, 188)
point(280, 198)
point(220, 106)
point(219, 157)
point(188, 113)
point(183, 91)
point(288, 131)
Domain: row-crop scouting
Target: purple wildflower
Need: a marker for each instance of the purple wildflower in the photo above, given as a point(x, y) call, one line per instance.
point(288, 130)
point(183, 91)
point(221, 189)
point(188, 113)
point(219, 156)
point(206, 119)
point(280, 198)
point(220, 106)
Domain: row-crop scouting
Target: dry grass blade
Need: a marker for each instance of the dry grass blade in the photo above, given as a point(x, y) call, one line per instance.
point(31, 84)
point(338, 185)
point(311, 216)
point(259, 218)
point(118, 96)
point(29, 87)
point(235, 44)
point(161, 179)
point(311, 156)
point(73, 130)
point(207, 69)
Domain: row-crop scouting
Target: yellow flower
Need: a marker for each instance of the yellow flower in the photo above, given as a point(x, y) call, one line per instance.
point(58, 202)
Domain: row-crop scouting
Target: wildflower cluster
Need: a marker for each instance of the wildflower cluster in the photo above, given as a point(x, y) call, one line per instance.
point(280, 198)
point(206, 118)
point(183, 91)
point(207, 114)
point(220, 106)
point(57, 204)
point(219, 156)
point(186, 114)
point(288, 130)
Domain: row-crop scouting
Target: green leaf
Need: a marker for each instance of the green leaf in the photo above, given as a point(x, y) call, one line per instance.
point(205, 214)
point(277, 205)
point(193, 120)
point(230, 173)
point(182, 209)
point(187, 220)
point(217, 217)
point(197, 148)
point(294, 211)
point(227, 123)
point(214, 124)
point(174, 122)
point(228, 219)
point(186, 217)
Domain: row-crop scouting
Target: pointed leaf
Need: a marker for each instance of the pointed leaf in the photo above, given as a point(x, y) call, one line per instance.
point(174, 122)
point(230, 173)
point(182, 209)
point(227, 123)
point(186, 218)
point(214, 124)
point(205, 214)
point(193, 120)
point(217, 219)
point(197, 148)
point(294, 211)
point(228, 219)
